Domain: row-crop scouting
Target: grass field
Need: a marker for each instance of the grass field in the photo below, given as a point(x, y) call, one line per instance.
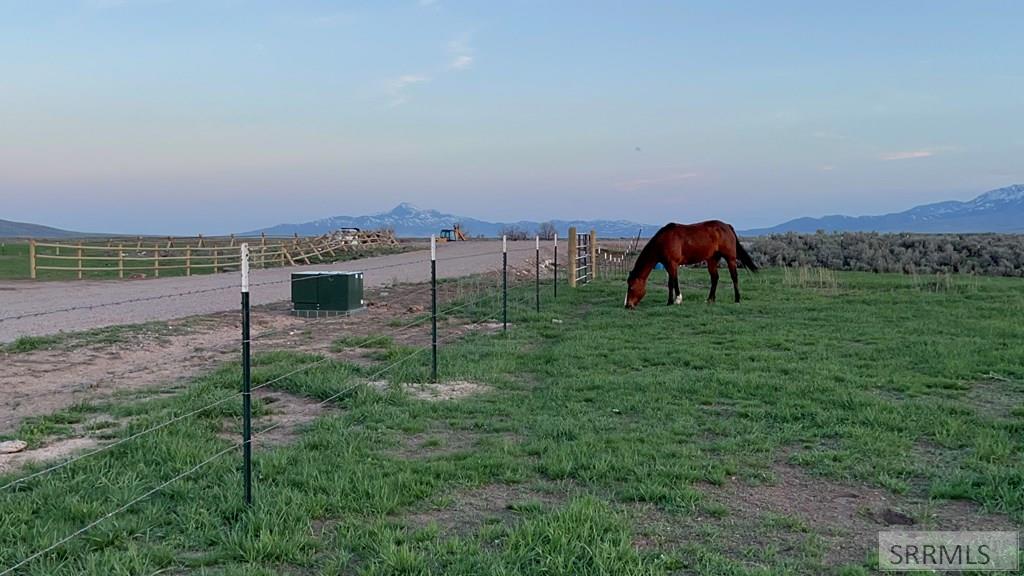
point(13, 260)
point(607, 442)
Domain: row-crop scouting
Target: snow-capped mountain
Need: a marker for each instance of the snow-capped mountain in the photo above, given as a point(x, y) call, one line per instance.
point(410, 221)
point(1000, 210)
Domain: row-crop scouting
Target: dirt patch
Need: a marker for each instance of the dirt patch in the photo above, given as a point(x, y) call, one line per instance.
point(286, 415)
point(52, 451)
point(46, 381)
point(996, 397)
point(452, 390)
point(464, 511)
point(435, 443)
point(801, 513)
point(435, 392)
point(442, 441)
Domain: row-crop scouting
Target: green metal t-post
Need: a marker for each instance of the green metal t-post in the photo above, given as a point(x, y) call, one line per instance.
point(246, 381)
point(433, 308)
point(504, 283)
point(538, 274)
point(555, 269)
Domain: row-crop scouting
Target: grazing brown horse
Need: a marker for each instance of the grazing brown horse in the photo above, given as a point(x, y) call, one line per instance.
point(678, 244)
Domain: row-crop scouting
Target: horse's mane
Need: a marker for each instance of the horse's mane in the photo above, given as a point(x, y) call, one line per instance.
point(648, 253)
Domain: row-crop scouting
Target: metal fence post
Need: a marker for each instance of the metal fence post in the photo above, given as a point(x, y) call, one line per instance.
point(538, 274)
point(555, 270)
point(246, 381)
point(504, 283)
point(433, 307)
point(574, 256)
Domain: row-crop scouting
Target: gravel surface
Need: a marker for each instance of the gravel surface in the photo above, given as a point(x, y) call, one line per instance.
point(96, 304)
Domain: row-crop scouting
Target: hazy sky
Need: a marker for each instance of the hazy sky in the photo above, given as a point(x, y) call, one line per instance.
point(210, 116)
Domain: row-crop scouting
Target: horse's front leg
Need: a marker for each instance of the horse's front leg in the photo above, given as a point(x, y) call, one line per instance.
point(675, 295)
point(713, 271)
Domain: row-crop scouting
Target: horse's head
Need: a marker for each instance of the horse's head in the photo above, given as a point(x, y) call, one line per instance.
point(637, 288)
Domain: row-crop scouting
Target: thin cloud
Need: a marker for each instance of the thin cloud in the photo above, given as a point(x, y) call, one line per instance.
point(922, 153)
point(461, 54)
point(827, 168)
point(461, 62)
point(826, 135)
point(398, 87)
point(426, 3)
point(460, 58)
point(634, 185)
point(331, 20)
point(909, 155)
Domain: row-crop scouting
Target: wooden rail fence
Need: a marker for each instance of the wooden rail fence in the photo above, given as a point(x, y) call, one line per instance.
point(135, 257)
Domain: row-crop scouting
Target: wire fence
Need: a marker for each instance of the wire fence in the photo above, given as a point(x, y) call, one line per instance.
point(484, 299)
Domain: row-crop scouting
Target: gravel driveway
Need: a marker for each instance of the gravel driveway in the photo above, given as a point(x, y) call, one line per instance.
point(102, 303)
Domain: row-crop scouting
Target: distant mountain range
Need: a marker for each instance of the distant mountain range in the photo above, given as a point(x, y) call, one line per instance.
point(408, 220)
point(1000, 210)
point(10, 229)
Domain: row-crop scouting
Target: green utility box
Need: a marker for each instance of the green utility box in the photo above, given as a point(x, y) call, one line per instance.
point(317, 294)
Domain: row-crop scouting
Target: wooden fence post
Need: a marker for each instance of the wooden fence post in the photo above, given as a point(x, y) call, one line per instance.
point(32, 259)
point(188, 261)
point(156, 260)
point(79, 260)
point(285, 253)
point(592, 272)
point(573, 257)
point(215, 259)
point(120, 260)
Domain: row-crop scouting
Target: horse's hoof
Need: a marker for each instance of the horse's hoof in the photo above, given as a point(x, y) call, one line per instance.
point(710, 301)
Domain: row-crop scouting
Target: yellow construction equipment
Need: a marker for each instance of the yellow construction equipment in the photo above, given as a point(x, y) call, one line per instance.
point(453, 234)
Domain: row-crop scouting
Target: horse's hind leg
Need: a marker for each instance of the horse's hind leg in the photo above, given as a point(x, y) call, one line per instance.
point(735, 278)
point(713, 271)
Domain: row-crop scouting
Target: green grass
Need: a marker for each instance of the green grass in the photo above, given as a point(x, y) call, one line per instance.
point(13, 260)
point(609, 408)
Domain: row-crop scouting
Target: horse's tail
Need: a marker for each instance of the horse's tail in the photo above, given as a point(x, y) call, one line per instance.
point(744, 257)
point(742, 254)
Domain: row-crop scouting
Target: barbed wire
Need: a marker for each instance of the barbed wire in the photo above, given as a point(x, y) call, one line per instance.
point(228, 287)
point(118, 303)
point(228, 449)
point(384, 370)
point(364, 344)
point(121, 441)
point(119, 509)
point(373, 340)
